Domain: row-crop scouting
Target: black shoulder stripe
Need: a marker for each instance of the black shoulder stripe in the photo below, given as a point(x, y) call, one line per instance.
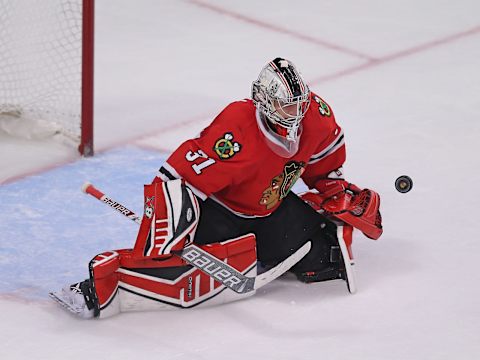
point(167, 173)
point(328, 149)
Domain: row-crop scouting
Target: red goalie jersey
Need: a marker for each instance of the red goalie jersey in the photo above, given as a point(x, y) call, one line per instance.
point(232, 163)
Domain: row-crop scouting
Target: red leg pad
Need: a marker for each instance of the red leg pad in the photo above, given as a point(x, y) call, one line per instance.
point(145, 283)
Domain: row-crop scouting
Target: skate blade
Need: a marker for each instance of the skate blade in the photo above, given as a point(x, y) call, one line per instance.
point(66, 305)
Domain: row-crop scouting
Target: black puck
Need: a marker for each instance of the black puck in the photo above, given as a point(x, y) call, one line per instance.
point(403, 184)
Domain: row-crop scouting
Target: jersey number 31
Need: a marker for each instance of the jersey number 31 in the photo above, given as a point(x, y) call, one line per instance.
point(199, 166)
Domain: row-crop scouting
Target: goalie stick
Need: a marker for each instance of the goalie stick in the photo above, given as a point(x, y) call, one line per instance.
point(196, 257)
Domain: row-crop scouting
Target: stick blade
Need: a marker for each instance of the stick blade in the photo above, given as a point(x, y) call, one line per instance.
point(270, 275)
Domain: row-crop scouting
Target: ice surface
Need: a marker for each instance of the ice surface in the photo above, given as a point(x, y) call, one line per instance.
point(403, 79)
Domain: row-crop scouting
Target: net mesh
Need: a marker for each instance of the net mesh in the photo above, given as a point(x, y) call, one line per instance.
point(40, 66)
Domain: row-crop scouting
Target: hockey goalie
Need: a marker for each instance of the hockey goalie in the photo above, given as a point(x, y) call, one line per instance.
point(221, 208)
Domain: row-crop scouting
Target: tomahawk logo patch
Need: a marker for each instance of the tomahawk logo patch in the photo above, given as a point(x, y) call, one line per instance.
point(225, 147)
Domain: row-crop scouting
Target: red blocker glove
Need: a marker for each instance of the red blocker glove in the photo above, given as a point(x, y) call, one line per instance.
point(356, 207)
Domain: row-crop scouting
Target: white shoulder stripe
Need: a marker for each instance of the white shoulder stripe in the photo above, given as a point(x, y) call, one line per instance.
point(334, 146)
point(163, 176)
point(171, 170)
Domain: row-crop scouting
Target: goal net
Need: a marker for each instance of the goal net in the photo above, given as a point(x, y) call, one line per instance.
point(46, 69)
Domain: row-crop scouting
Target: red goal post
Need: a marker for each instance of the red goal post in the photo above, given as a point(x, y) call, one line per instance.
point(86, 142)
point(47, 70)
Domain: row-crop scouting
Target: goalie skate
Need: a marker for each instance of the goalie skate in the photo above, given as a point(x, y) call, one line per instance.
point(72, 299)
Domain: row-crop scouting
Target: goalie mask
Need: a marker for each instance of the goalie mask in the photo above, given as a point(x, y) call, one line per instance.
point(282, 98)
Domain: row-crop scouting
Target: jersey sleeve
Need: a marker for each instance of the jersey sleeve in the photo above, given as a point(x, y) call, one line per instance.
point(329, 155)
point(212, 161)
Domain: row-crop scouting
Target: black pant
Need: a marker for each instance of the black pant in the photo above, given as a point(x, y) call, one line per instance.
point(278, 235)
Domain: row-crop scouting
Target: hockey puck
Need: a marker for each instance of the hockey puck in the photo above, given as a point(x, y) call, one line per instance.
point(403, 184)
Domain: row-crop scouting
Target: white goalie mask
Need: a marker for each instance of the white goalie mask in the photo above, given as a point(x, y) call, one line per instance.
point(283, 97)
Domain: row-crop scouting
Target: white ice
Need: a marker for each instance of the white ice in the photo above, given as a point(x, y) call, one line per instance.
point(403, 80)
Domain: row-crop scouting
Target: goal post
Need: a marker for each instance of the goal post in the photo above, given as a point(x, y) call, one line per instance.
point(86, 140)
point(46, 70)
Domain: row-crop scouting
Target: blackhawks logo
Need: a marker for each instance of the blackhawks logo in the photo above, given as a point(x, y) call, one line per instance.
point(282, 184)
point(225, 147)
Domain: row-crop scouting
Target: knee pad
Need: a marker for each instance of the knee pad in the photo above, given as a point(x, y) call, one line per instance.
point(170, 219)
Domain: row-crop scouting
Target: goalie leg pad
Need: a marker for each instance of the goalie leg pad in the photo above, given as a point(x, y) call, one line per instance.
point(332, 261)
point(123, 283)
point(344, 235)
point(171, 215)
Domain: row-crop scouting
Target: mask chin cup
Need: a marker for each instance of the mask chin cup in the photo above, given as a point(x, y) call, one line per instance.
point(286, 151)
point(280, 145)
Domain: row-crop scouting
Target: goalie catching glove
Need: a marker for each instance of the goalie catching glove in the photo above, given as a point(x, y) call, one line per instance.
point(347, 202)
